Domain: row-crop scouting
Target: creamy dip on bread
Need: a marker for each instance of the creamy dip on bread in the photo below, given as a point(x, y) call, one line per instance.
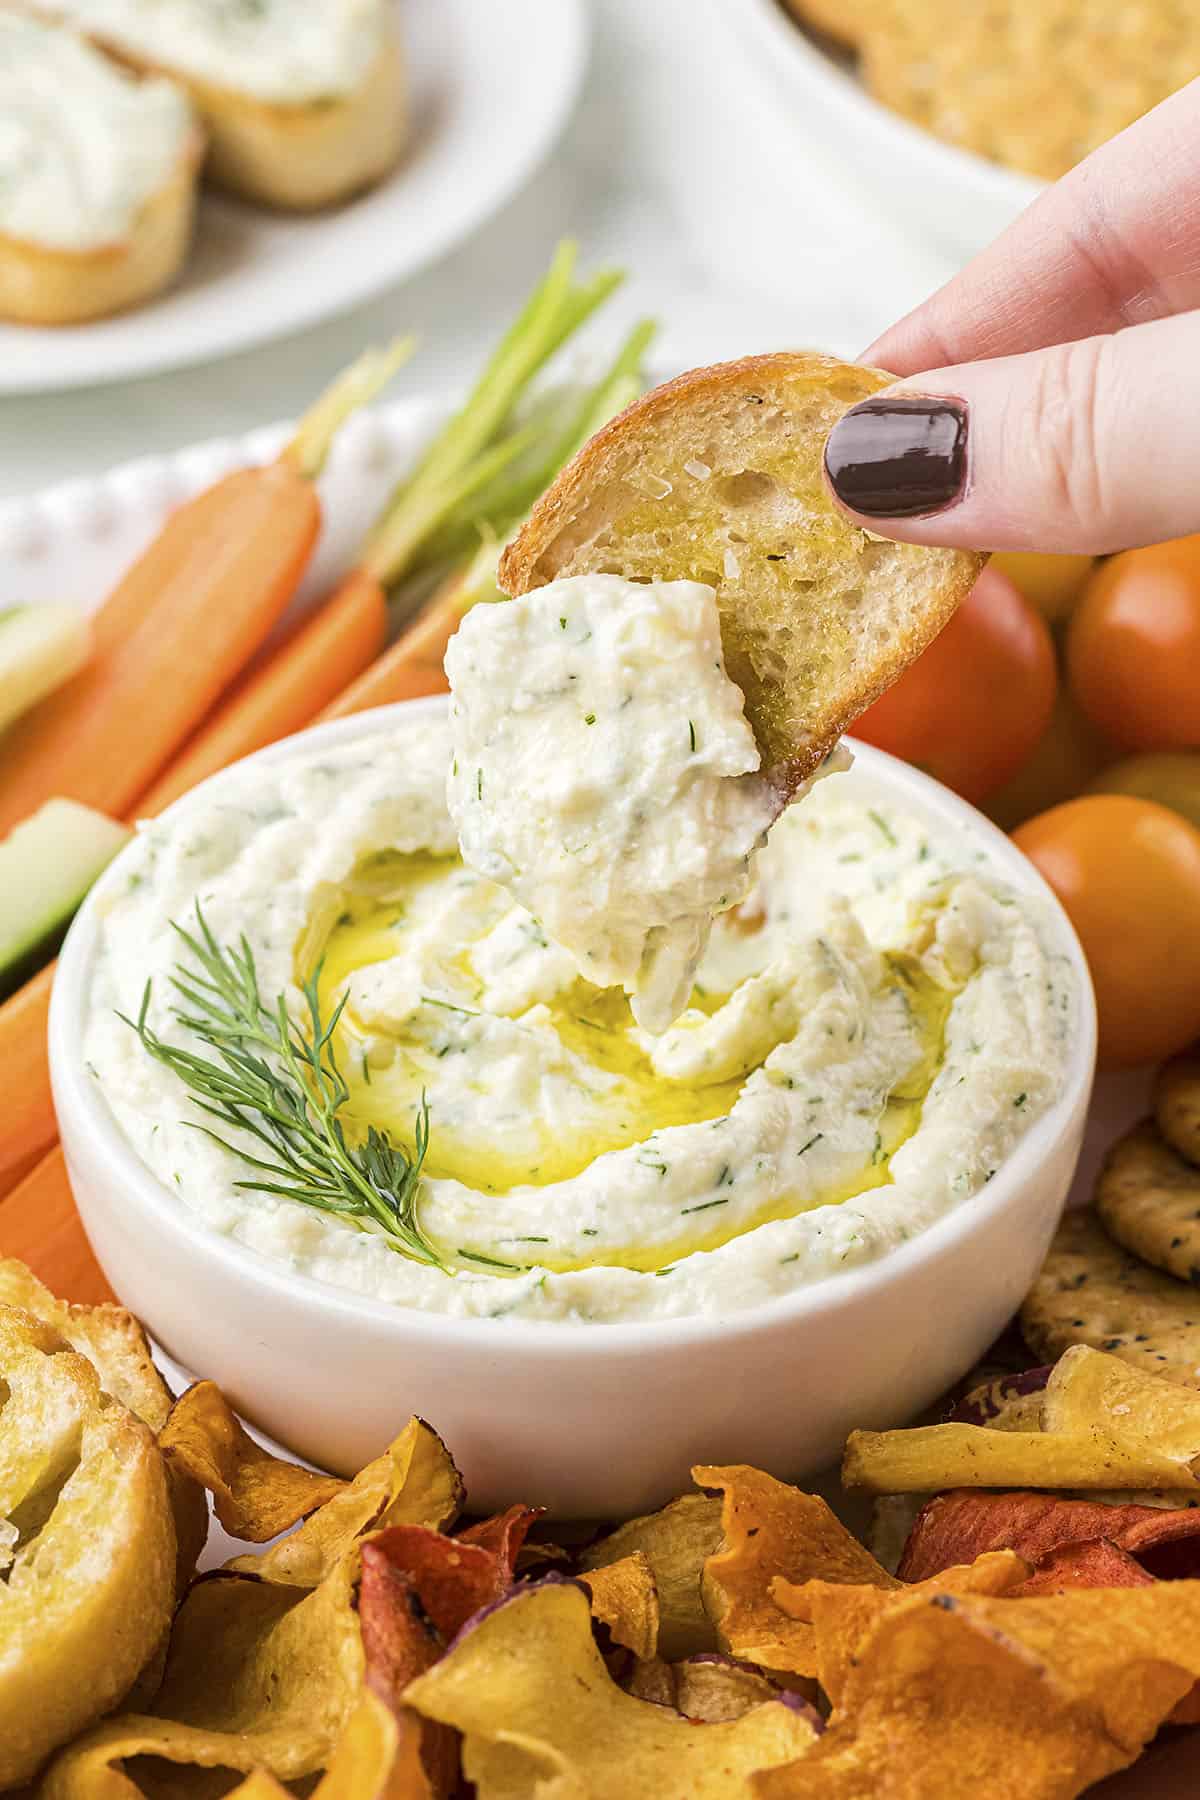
point(84, 146)
point(288, 52)
point(869, 1034)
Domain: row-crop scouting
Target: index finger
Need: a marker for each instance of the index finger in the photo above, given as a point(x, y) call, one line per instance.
point(1116, 242)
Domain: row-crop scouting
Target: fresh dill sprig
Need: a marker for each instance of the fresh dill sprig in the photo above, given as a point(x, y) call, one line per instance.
point(280, 1083)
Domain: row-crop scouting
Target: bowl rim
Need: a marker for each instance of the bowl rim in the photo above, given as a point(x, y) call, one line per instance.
point(784, 36)
point(79, 1100)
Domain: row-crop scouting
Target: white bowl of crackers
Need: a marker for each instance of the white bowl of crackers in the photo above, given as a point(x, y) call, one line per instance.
point(955, 119)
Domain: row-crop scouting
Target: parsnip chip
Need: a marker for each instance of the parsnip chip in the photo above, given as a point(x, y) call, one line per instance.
point(1105, 1424)
point(414, 1482)
point(258, 1676)
point(676, 1542)
point(528, 1688)
point(255, 1495)
point(961, 1525)
point(376, 1759)
point(771, 1530)
point(711, 1690)
point(943, 1692)
point(1089, 1390)
point(87, 1570)
point(625, 1598)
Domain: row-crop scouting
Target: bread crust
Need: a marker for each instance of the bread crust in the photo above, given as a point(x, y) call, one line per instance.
point(42, 285)
point(585, 504)
point(297, 158)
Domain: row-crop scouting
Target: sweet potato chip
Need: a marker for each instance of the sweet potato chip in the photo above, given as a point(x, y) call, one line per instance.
point(453, 1579)
point(414, 1482)
point(1094, 1564)
point(998, 1572)
point(258, 1676)
point(959, 1526)
point(1105, 1424)
point(676, 1542)
point(944, 1691)
point(400, 1643)
point(504, 1534)
point(255, 1495)
point(771, 1531)
point(625, 1599)
point(527, 1686)
point(87, 1549)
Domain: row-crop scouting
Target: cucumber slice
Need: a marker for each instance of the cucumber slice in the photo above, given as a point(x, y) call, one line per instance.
point(47, 865)
point(40, 648)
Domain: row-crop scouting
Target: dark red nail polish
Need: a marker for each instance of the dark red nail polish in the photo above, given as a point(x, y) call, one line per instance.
point(896, 458)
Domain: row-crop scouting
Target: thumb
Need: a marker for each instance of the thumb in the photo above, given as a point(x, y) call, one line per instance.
point(1091, 446)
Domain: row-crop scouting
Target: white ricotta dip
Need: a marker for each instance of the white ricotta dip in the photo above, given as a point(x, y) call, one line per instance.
point(869, 1035)
point(286, 51)
point(605, 773)
point(83, 144)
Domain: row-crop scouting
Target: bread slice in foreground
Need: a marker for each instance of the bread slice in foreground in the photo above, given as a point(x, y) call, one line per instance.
point(717, 477)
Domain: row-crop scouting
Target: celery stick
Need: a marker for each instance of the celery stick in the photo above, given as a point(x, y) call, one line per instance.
point(354, 387)
point(555, 309)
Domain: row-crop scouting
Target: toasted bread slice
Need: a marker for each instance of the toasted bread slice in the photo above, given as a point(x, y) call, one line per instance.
point(717, 477)
point(43, 285)
point(297, 157)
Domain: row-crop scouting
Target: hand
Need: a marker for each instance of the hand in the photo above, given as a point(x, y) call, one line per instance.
point(1051, 398)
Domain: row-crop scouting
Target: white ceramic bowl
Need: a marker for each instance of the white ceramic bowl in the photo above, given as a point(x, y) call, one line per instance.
point(954, 198)
point(589, 1420)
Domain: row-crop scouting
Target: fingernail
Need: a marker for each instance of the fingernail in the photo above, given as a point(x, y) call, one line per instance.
point(898, 457)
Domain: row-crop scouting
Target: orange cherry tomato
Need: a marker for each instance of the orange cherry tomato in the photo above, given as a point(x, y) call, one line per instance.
point(972, 708)
point(1128, 873)
point(1133, 647)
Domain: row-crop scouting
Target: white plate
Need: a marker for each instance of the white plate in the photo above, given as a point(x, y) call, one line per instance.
point(491, 85)
point(953, 198)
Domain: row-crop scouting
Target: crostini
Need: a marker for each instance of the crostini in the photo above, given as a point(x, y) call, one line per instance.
point(304, 101)
point(98, 172)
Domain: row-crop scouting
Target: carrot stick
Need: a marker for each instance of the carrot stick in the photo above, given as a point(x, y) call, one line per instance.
point(412, 666)
point(40, 1226)
point(308, 670)
point(28, 1127)
point(182, 623)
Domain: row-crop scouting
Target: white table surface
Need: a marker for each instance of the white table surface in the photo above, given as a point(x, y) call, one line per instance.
point(682, 164)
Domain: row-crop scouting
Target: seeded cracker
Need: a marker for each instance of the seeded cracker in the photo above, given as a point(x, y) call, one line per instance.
point(1091, 1291)
point(1177, 1103)
point(1035, 84)
point(1148, 1200)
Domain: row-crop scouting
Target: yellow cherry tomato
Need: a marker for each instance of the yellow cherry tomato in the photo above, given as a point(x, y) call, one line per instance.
point(1172, 777)
point(1070, 754)
point(1128, 873)
point(1051, 583)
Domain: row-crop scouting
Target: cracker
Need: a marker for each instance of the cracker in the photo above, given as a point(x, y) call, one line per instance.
point(1034, 84)
point(847, 22)
point(1148, 1201)
point(1177, 1103)
point(1091, 1291)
